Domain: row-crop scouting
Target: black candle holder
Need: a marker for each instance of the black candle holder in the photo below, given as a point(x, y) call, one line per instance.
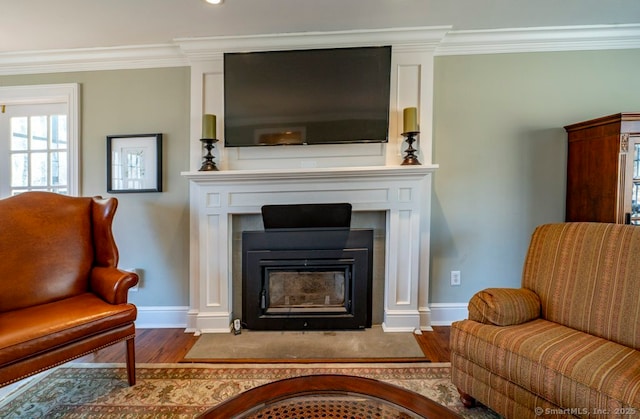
point(208, 164)
point(410, 159)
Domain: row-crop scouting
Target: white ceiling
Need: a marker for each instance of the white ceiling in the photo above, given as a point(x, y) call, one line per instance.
point(33, 25)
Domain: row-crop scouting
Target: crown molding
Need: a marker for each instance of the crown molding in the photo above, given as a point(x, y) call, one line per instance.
point(416, 37)
point(559, 38)
point(92, 59)
point(440, 40)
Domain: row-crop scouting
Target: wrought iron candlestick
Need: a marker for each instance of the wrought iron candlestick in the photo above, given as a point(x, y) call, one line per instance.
point(208, 163)
point(410, 159)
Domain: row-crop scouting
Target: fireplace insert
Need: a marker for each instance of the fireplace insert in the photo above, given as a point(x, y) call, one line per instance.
point(299, 278)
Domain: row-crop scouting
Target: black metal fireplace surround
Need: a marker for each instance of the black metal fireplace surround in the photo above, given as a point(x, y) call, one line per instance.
point(307, 270)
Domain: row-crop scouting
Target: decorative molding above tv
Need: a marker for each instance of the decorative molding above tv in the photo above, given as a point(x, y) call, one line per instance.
point(411, 37)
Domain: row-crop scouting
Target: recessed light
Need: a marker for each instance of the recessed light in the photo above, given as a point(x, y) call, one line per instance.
point(214, 1)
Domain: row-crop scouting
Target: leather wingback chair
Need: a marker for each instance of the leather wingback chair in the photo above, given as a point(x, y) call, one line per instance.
point(61, 294)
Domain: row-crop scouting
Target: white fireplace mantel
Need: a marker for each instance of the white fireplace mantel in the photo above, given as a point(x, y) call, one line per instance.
point(402, 192)
point(369, 176)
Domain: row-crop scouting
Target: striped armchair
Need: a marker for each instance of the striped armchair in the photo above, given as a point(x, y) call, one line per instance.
point(568, 342)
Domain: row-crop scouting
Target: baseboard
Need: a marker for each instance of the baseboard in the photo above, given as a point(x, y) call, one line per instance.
point(165, 317)
point(443, 314)
point(161, 317)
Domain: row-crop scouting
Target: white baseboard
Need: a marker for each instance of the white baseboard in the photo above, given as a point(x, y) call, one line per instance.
point(443, 314)
point(164, 317)
point(161, 317)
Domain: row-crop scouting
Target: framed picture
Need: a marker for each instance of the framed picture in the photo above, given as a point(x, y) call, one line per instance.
point(134, 163)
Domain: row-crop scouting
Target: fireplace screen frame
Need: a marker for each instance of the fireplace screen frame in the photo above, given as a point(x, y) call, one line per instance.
point(309, 249)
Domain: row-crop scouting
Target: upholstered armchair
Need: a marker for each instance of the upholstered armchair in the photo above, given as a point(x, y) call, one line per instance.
point(61, 294)
point(568, 341)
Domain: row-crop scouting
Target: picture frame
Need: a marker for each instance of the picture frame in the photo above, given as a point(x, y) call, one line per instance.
point(134, 163)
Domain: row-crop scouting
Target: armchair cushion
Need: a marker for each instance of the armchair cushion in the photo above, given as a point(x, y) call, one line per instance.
point(555, 363)
point(504, 306)
point(65, 321)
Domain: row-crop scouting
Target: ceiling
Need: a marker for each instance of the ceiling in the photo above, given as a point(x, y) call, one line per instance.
point(36, 25)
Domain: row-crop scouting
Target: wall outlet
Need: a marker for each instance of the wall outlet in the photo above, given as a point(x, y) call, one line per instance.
point(455, 278)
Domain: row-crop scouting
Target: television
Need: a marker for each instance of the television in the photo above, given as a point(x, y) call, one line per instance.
point(313, 96)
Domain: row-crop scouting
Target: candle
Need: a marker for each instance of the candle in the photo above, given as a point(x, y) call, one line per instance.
point(410, 118)
point(209, 126)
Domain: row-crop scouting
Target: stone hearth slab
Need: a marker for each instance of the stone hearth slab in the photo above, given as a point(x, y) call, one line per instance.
point(366, 345)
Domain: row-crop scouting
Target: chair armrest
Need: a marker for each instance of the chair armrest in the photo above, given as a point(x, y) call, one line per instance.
point(112, 284)
point(504, 306)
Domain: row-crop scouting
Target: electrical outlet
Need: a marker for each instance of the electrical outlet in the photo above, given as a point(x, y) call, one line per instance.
point(455, 278)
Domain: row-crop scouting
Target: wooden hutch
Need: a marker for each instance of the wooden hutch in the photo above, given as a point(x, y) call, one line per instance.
point(603, 169)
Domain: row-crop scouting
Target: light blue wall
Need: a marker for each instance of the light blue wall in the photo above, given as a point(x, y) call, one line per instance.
point(501, 147)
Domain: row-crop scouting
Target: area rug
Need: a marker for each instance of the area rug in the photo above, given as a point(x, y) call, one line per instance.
point(184, 391)
point(350, 346)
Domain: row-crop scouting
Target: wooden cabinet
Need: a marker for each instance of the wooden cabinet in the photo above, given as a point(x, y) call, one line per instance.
point(603, 169)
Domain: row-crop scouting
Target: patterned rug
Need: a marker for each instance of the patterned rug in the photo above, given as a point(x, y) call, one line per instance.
point(185, 390)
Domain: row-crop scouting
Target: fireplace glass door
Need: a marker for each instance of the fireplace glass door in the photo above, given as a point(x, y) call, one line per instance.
point(315, 290)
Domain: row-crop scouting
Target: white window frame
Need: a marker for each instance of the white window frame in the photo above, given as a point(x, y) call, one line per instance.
point(68, 94)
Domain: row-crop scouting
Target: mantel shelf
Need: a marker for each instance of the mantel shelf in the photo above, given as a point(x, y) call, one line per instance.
point(310, 173)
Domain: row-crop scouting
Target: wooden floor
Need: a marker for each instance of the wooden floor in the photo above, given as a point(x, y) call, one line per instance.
point(171, 345)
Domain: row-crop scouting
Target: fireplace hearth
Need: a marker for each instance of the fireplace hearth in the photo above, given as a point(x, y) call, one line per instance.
point(304, 278)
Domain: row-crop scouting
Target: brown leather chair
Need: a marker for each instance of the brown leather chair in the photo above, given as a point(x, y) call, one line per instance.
point(61, 295)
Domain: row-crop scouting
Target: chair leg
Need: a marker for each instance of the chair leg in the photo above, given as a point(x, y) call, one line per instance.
point(131, 361)
point(466, 399)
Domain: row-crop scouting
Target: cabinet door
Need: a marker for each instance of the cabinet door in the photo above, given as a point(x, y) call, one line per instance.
point(632, 200)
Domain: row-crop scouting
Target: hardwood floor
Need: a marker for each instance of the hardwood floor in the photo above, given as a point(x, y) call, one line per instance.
point(171, 345)
point(435, 345)
point(153, 346)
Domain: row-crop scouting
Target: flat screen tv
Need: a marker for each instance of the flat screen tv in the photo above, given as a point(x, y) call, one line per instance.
point(315, 96)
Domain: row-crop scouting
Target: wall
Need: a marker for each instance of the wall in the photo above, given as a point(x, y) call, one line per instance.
point(151, 229)
point(501, 147)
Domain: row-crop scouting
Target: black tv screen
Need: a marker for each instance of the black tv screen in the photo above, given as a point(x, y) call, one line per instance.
point(317, 96)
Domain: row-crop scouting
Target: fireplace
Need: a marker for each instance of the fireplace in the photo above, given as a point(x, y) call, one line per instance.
point(219, 199)
point(298, 278)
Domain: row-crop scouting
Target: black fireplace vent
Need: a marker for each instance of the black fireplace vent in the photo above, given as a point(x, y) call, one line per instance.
point(306, 216)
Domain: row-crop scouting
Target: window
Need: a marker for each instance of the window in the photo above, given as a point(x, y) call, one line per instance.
point(37, 148)
point(39, 139)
